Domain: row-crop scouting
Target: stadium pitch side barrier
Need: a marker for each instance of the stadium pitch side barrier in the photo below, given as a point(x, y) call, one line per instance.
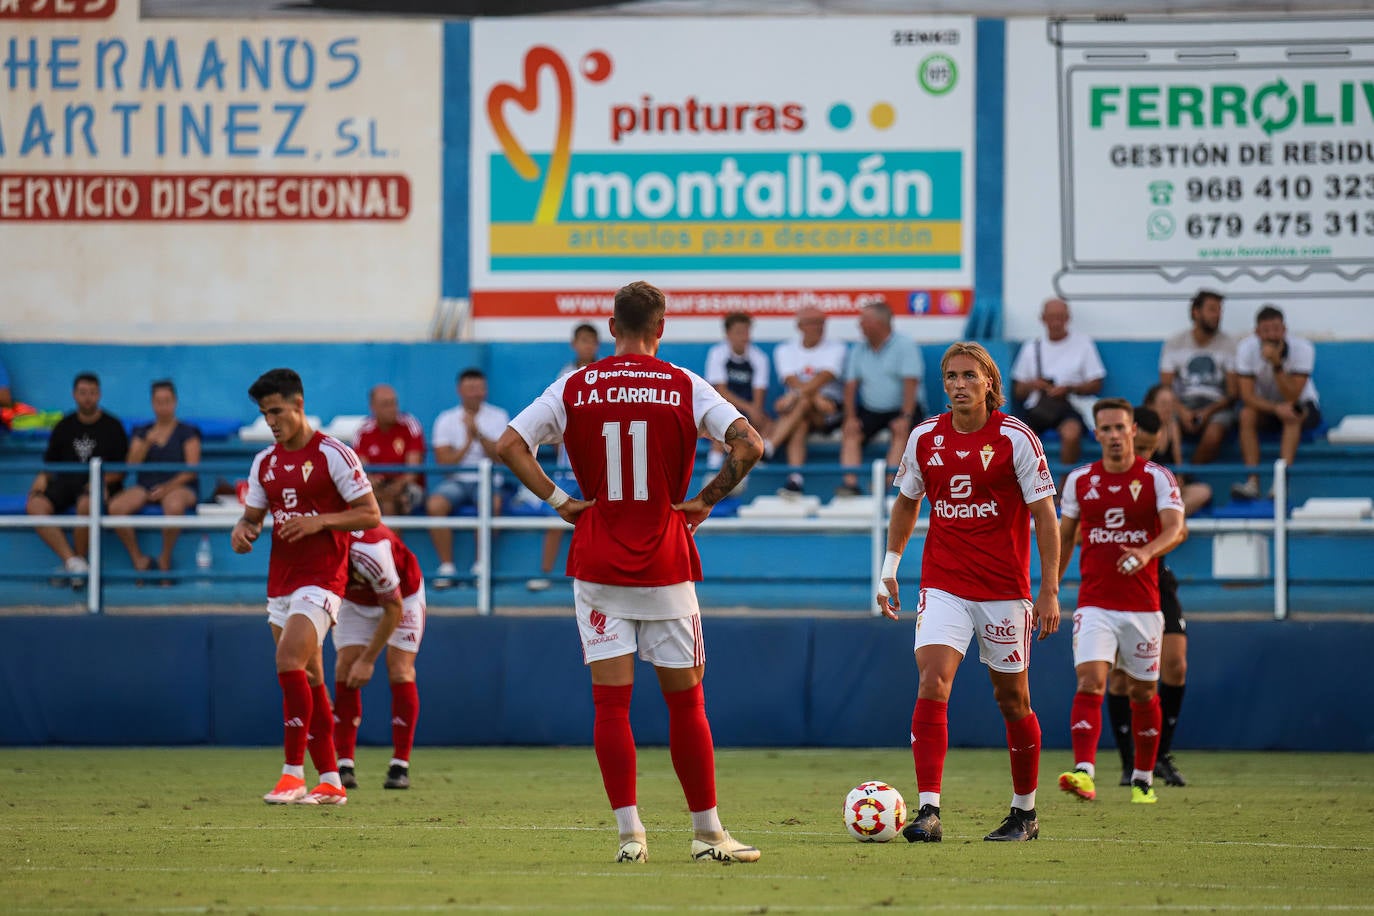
point(770, 682)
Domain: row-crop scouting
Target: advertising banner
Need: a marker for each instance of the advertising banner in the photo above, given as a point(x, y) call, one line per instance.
point(1235, 155)
point(228, 180)
point(609, 150)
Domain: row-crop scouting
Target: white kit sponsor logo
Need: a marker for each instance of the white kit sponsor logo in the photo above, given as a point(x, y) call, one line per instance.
point(1103, 536)
point(961, 488)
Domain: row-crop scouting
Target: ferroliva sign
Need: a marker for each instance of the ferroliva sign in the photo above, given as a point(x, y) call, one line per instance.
point(609, 150)
point(1237, 154)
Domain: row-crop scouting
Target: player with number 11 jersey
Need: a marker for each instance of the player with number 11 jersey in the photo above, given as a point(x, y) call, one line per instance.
point(630, 424)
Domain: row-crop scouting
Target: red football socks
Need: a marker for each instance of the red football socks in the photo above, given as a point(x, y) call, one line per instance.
point(297, 709)
point(614, 742)
point(1145, 724)
point(1023, 741)
point(321, 737)
point(691, 747)
point(348, 712)
point(1085, 726)
point(405, 709)
point(929, 743)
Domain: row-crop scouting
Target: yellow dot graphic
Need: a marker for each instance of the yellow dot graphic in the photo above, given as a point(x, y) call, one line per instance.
point(882, 116)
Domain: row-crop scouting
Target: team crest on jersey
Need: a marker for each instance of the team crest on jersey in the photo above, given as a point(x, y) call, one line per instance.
point(1135, 488)
point(935, 461)
point(398, 443)
point(306, 469)
point(273, 461)
point(939, 441)
point(986, 454)
point(1095, 479)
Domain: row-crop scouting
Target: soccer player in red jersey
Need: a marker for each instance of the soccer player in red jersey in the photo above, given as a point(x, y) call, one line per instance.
point(317, 492)
point(1131, 514)
point(985, 476)
point(383, 608)
point(630, 424)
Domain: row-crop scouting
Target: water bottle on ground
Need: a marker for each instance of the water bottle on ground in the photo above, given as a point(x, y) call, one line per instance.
point(205, 558)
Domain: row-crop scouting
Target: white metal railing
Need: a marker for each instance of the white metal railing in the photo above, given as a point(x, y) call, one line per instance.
point(484, 524)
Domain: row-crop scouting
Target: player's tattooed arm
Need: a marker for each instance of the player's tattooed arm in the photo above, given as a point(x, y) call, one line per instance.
point(744, 447)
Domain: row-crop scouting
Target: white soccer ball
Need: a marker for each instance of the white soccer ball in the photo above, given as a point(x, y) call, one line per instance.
point(874, 812)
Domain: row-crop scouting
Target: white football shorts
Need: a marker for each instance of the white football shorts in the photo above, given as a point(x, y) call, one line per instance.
point(357, 623)
point(672, 643)
point(1003, 628)
point(319, 604)
point(1129, 640)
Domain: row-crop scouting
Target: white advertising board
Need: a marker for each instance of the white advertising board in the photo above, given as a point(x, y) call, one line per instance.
point(166, 181)
point(746, 164)
point(1236, 156)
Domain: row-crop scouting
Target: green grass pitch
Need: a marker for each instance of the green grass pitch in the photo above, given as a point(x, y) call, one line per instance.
point(528, 830)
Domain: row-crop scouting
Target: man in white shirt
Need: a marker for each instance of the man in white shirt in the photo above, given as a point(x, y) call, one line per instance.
point(812, 369)
point(463, 436)
point(1274, 376)
point(1056, 377)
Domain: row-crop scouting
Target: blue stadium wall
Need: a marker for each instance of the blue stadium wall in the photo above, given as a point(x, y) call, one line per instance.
point(794, 682)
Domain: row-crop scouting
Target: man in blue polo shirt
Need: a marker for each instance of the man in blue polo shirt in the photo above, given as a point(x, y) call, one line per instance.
point(882, 383)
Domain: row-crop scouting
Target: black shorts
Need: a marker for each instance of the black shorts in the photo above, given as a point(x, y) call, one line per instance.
point(1048, 413)
point(64, 490)
point(1169, 603)
point(874, 421)
point(1311, 418)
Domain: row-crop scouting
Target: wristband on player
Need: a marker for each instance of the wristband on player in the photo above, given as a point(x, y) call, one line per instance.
point(557, 498)
point(890, 563)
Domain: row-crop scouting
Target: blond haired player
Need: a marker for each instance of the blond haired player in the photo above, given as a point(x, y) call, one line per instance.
point(985, 476)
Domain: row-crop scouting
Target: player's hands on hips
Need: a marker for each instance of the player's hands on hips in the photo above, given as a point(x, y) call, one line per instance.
point(359, 673)
point(695, 511)
point(889, 602)
point(301, 526)
point(1131, 561)
point(1046, 613)
point(571, 509)
point(244, 534)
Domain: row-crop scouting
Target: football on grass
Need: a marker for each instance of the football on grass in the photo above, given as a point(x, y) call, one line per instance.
point(874, 812)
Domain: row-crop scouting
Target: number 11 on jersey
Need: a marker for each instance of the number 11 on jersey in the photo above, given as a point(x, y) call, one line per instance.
point(639, 456)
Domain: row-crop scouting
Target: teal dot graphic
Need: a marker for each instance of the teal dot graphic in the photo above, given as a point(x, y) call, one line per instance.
point(841, 116)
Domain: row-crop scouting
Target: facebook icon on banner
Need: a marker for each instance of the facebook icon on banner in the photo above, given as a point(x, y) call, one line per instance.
point(918, 303)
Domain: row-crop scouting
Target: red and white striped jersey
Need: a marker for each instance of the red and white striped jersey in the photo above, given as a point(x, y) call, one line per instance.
point(323, 476)
point(1115, 511)
point(630, 425)
point(979, 485)
point(380, 563)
